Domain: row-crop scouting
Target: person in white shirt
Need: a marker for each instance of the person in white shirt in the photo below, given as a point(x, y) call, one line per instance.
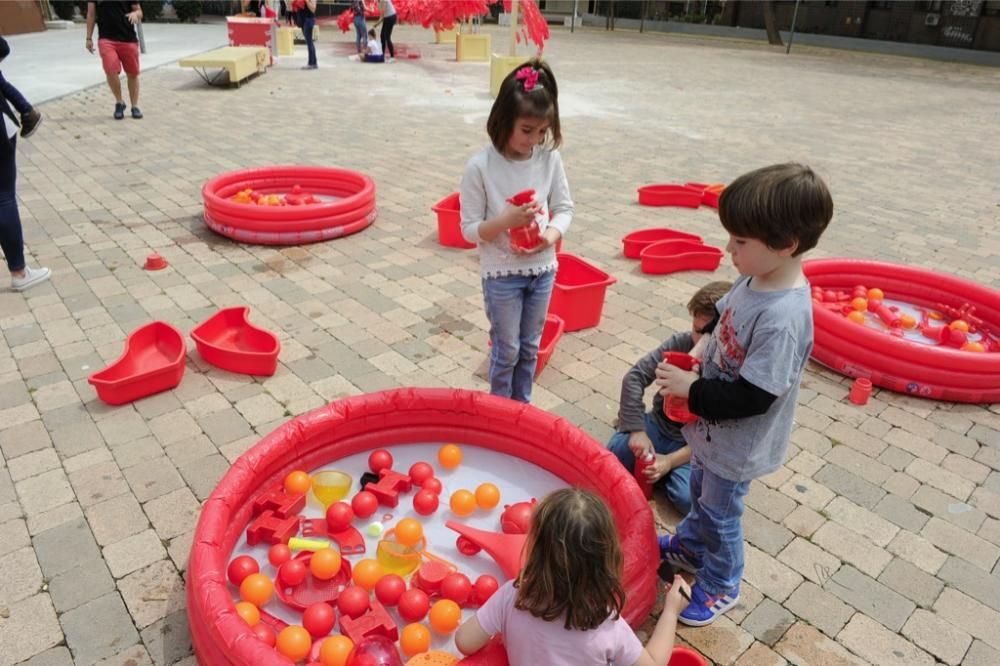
point(373, 51)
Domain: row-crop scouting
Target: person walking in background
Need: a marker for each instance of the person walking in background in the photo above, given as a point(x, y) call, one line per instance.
point(118, 46)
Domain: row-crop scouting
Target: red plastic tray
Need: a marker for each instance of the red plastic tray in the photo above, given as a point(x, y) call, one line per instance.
point(553, 330)
point(153, 361)
point(578, 295)
point(449, 214)
point(669, 195)
point(229, 341)
point(635, 242)
point(680, 255)
point(312, 590)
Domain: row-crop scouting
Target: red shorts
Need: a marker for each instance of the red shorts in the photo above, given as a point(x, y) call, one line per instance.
point(117, 56)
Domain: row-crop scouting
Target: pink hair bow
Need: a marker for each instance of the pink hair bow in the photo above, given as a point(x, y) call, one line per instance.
point(530, 77)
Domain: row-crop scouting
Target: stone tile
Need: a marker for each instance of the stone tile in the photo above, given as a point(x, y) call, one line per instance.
point(944, 506)
point(969, 615)
point(917, 550)
point(897, 510)
point(123, 426)
point(807, 491)
point(174, 513)
point(851, 547)
point(941, 639)
point(911, 582)
point(766, 535)
point(85, 582)
point(260, 409)
point(769, 502)
point(98, 483)
point(13, 536)
point(60, 515)
point(957, 541)
point(880, 646)
point(819, 608)
point(29, 628)
point(895, 458)
point(61, 548)
point(137, 551)
point(174, 426)
point(87, 459)
point(750, 597)
point(98, 628)
point(134, 453)
point(870, 597)
point(169, 639)
point(44, 492)
point(57, 656)
point(859, 464)
point(152, 593)
point(803, 521)
point(24, 438)
point(116, 519)
point(153, 478)
point(803, 645)
point(864, 522)
point(940, 478)
point(190, 449)
point(981, 654)
point(768, 622)
point(972, 580)
point(809, 560)
point(840, 481)
point(722, 641)
point(966, 468)
point(768, 575)
point(32, 464)
point(20, 576)
point(203, 475)
point(131, 656)
point(180, 548)
point(760, 655)
point(901, 484)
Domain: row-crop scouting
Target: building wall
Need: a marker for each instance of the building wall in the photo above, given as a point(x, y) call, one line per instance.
point(18, 16)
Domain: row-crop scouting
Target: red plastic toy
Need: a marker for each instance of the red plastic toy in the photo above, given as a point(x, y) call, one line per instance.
point(449, 219)
point(155, 262)
point(229, 341)
point(672, 256)
point(153, 361)
point(516, 518)
point(376, 622)
point(669, 195)
point(277, 501)
point(527, 236)
point(861, 390)
point(635, 242)
point(492, 654)
point(312, 590)
point(270, 528)
point(641, 464)
point(674, 407)
point(579, 291)
point(551, 332)
point(389, 485)
point(507, 550)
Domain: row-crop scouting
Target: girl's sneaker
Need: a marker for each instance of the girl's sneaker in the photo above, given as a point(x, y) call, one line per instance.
point(704, 607)
point(31, 277)
point(676, 555)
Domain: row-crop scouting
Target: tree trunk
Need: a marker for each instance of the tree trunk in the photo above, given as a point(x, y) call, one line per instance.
point(773, 36)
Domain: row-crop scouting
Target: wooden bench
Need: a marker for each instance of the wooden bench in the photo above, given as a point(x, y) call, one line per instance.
point(238, 62)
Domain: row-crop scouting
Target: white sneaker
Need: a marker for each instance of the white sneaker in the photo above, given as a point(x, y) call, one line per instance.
point(32, 276)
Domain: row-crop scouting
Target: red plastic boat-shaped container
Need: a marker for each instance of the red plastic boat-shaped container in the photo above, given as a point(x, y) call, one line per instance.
point(229, 341)
point(553, 330)
point(578, 294)
point(669, 195)
point(153, 361)
point(679, 255)
point(635, 242)
point(449, 214)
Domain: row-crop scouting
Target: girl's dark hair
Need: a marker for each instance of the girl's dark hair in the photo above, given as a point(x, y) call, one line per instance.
point(574, 564)
point(513, 102)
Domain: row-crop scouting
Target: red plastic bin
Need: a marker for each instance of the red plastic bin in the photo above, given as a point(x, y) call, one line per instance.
point(229, 341)
point(634, 243)
point(669, 195)
point(554, 327)
point(578, 294)
point(153, 361)
point(449, 214)
point(679, 255)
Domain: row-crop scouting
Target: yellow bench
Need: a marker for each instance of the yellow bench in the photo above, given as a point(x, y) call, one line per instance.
point(238, 62)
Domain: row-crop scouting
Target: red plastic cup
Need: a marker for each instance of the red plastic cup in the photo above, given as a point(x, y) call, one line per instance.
point(676, 409)
point(861, 390)
point(641, 463)
point(682, 656)
point(155, 262)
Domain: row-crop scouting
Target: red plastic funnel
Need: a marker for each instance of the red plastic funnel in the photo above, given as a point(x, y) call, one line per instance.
point(507, 550)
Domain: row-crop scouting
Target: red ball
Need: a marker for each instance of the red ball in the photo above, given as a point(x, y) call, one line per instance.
point(420, 472)
point(240, 568)
point(432, 484)
point(389, 589)
point(364, 504)
point(456, 587)
point(264, 634)
point(279, 554)
point(413, 605)
point(318, 619)
point(339, 516)
point(425, 502)
point(379, 460)
point(292, 573)
point(353, 601)
point(485, 586)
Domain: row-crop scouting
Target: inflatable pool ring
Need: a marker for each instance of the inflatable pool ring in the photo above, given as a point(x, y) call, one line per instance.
point(346, 205)
point(390, 418)
point(935, 371)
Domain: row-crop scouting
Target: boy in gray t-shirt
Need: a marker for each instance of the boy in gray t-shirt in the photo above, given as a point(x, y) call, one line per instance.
point(750, 372)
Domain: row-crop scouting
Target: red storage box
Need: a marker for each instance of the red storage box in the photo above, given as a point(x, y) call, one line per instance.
point(578, 295)
point(680, 255)
point(669, 195)
point(449, 212)
point(247, 31)
point(635, 242)
point(153, 361)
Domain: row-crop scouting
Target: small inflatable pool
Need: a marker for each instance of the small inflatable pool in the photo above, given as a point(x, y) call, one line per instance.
point(959, 367)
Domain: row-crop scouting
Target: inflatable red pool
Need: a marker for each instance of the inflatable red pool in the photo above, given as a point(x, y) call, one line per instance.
point(924, 368)
point(394, 419)
point(341, 202)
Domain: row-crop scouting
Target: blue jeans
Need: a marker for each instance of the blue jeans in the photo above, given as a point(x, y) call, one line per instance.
point(308, 24)
point(516, 306)
point(361, 32)
point(11, 238)
point(676, 482)
point(713, 530)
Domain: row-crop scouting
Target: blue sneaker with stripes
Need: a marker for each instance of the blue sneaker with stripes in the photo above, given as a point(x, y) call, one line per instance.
point(704, 607)
point(676, 555)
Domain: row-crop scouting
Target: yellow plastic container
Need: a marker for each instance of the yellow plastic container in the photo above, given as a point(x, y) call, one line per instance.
point(500, 67)
point(472, 47)
point(286, 41)
point(329, 486)
point(445, 36)
point(397, 558)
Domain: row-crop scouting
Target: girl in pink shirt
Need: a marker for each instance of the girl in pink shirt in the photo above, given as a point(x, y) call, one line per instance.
point(565, 606)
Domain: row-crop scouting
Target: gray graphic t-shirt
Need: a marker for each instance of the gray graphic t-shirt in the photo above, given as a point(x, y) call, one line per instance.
point(766, 338)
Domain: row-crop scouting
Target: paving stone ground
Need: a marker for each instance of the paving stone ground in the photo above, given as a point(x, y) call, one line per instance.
point(877, 543)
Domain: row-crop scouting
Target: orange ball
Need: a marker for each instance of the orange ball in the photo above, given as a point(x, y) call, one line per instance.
point(856, 316)
point(445, 616)
point(367, 572)
point(462, 502)
point(335, 650)
point(297, 483)
point(257, 589)
point(325, 563)
point(450, 456)
point(973, 347)
point(875, 294)
point(248, 612)
point(937, 316)
point(416, 638)
point(860, 304)
point(906, 321)
point(959, 325)
point(487, 496)
point(409, 531)
point(294, 642)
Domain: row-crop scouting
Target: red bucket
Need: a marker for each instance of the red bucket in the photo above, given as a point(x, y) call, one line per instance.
point(578, 295)
point(449, 212)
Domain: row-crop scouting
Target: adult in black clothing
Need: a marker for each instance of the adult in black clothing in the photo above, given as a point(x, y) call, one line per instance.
point(119, 47)
point(307, 19)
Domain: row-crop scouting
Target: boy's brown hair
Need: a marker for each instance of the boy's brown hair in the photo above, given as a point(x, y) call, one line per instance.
point(778, 205)
point(574, 564)
point(514, 102)
point(704, 300)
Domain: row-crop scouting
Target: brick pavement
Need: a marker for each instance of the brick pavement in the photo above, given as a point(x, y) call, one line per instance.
point(877, 543)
